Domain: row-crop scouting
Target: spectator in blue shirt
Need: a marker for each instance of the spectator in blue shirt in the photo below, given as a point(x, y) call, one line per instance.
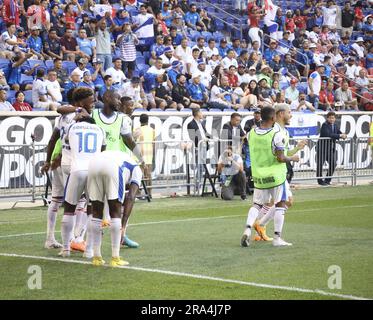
point(34, 42)
point(176, 68)
point(157, 49)
point(87, 81)
point(14, 79)
point(86, 46)
point(193, 20)
point(305, 56)
point(176, 37)
point(223, 48)
point(280, 19)
point(167, 14)
point(121, 17)
point(197, 91)
point(271, 51)
point(74, 83)
point(345, 47)
point(236, 46)
point(107, 86)
point(368, 25)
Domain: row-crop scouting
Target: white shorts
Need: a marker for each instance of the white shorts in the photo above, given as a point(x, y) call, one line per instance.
point(76, 185)
point(65, 173)
point(275, 195)
point(104, 181)
point(57, 183)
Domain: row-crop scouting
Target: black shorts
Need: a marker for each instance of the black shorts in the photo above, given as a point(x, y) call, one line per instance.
point(128, 65)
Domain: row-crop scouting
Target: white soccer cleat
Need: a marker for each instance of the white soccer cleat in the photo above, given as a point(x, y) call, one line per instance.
point(64, 253)
point(245, 240)
point(52, 244)
point(88, 254)
point(278, 242)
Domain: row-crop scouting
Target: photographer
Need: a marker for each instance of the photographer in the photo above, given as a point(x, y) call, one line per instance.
point(232, 175)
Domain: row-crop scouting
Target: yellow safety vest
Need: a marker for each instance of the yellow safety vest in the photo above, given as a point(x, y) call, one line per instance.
point(371, 135)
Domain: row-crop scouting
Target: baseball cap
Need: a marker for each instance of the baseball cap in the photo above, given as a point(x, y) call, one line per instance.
point(359, 39)
point(35, 28)
point(196, 75)
point(97, 60)
point(168, 49)
point(175, 63)
point(223, 40)
point(252, 68)
point(86, 73)
point(313, 45)
point(320, 66)
point(201, 61)
point(293, 81)
point(82, 60)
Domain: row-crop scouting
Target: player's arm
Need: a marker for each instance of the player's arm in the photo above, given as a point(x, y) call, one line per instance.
point(280, 155)
point(67, 109)
point(131, 144)
point(51, 144)
point(300, 146)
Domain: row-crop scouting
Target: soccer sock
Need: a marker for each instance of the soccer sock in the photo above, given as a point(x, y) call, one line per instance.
point(80, 219)
point(251, 217)
point(67, 226)
point(268, 216)
point(89, 242)
point(82, 228)
point(106, 211)
point(115, 236)
point(262, 212)
point(52, 215)
point(279, 221)
point(96, 234)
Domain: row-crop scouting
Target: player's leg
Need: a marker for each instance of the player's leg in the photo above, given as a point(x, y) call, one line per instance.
point(259, 198)
point(266, 214)
point(81, 219)
point(73, 190)
point(127, 209)
point(95, 230)
point(55, 204)
point(281, 197)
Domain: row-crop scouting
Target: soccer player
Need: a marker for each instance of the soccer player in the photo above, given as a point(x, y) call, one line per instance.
point(267, 212)
point(85, 139)
point(60, 169)
point(118, 128)
point(108, 174)
point(268, 163)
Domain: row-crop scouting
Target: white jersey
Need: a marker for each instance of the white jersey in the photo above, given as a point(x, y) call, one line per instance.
point(84, 141)
point(62, 124)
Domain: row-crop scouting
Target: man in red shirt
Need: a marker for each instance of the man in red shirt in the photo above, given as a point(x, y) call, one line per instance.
point(254, 18)
point(232, 77)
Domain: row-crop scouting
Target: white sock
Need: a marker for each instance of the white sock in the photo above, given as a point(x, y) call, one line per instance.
point(89, 242)
point(82, 227)
point(67, 227)
point(279, 221)
point(95, 230)
point(79, 212)
point(252, 215)
point(268, 216)
point(115, 236)
point(52, 215)
point(262, 212)
point(106, 211)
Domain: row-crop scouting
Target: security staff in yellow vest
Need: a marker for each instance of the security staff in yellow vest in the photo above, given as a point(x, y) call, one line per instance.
point(145, 135)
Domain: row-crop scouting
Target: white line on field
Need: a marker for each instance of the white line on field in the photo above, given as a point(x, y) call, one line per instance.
point(198, 276)
point(186, 220)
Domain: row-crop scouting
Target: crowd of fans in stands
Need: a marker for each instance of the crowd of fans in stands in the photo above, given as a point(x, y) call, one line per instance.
point(169, 54)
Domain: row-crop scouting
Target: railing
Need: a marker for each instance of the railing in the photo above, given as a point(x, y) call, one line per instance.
point(179, 167)
point(206, 3)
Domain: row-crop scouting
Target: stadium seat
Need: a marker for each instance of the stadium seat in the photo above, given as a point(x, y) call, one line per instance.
point(28, 96)
point(49, 64)
point(4, 62)
point(69, 65)
point(140, 60)
point(11, 96)
point(25, 79)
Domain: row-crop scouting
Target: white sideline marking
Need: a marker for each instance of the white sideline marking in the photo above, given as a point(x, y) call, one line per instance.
point(197, 276)
point(185, 220)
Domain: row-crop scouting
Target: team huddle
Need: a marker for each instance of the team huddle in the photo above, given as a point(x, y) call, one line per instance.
point(90, 156)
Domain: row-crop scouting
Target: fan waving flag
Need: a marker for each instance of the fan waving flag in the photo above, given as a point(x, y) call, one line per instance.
point(269, 18)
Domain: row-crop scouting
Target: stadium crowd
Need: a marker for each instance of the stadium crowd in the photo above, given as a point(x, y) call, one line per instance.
point(177, 54)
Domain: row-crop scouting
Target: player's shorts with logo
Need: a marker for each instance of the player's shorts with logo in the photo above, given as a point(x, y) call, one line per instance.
point(76, 185)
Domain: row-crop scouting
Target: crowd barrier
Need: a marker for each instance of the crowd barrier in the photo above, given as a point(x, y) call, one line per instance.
point(180, 166)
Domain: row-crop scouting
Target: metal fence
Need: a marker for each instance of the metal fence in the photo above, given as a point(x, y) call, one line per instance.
point(20, 171)
point(178, 167)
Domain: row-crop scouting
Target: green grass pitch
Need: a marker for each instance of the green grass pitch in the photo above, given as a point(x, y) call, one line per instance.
point(190, 250)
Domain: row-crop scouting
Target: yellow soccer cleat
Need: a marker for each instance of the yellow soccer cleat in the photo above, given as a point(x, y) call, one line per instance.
point(105, 223)
point(118, 262)
point(98, 261)
point(262, 232)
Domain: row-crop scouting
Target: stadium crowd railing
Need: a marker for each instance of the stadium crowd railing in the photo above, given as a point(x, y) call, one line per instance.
point(180, 168)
